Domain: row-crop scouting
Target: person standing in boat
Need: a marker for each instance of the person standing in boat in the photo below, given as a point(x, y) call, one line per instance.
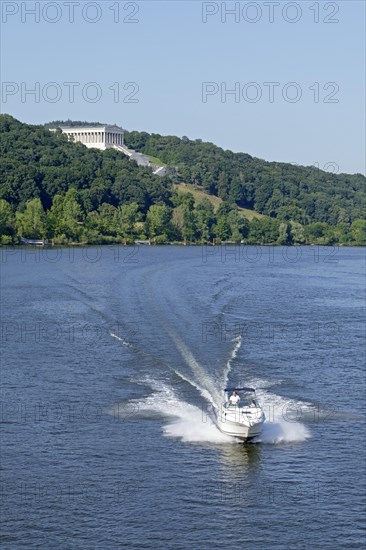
point(234, 399)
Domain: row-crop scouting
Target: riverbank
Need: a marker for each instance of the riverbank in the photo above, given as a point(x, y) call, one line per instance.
point(224, 245)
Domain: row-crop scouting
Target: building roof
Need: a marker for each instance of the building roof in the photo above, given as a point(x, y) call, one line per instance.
point(112, 128)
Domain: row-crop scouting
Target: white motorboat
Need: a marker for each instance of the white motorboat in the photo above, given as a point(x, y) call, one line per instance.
point(243, 419)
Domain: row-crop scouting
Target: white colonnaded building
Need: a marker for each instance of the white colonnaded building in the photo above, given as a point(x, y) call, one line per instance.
point(105, 137)
point(98, 137)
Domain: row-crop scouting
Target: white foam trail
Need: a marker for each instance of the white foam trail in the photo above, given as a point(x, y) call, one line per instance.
point(206, 394)
point(283, 432)
point(124, 342)
point(234, 353)
point(186, 422)
point(283, 416)
point(210, 391)
point(190, 427)
point(202, 391)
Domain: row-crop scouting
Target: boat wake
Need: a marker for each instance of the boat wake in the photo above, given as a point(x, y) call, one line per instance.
point(183, 420)
point(191, 423)
point(283, 432)
point(283, 416)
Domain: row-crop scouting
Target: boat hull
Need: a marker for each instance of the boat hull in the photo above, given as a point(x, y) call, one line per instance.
point(239, 425)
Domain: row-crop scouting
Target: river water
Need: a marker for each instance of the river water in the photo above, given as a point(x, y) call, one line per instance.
point(112, 362)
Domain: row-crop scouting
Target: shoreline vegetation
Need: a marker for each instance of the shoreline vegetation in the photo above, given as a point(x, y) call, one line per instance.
point(138, 243)
point(62, 192)
point(16, 243)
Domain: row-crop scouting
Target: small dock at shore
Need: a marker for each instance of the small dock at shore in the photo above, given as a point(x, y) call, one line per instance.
point(146, 242)
point(35, 242)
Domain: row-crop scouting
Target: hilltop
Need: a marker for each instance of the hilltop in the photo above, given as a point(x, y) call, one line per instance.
point(50, 187)
point(280, 190)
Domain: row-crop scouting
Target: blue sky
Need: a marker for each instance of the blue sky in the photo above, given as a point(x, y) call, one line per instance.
point(313, 53)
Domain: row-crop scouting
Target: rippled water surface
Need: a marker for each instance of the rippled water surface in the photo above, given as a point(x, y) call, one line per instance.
point(112, 362)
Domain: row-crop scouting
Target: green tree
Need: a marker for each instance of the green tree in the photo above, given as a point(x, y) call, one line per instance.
point(185, 199)
point(32, 223)
point(157, 222)
point(315, 233)
point(284, 234)
point(107, 218)
point(297, 233)
point(184, 220)
point(66, 217)
point(72, 216)
point(7, 218)
point(263, 231)
point(204, 220)
point(54, 215)
point(125, 220)
point(239, 226)
point(358, 232)
point(222, 229)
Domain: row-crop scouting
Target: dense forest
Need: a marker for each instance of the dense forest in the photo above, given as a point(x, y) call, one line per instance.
point(279, 190)
point(54, 189)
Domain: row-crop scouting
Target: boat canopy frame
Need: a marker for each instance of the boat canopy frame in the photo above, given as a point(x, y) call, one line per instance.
point(240, 389)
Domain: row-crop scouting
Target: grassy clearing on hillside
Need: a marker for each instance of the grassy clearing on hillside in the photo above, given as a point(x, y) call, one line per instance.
point(199, 195)
point(155, 160)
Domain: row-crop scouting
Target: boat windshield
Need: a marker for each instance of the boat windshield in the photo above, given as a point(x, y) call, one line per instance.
point(246, 400)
